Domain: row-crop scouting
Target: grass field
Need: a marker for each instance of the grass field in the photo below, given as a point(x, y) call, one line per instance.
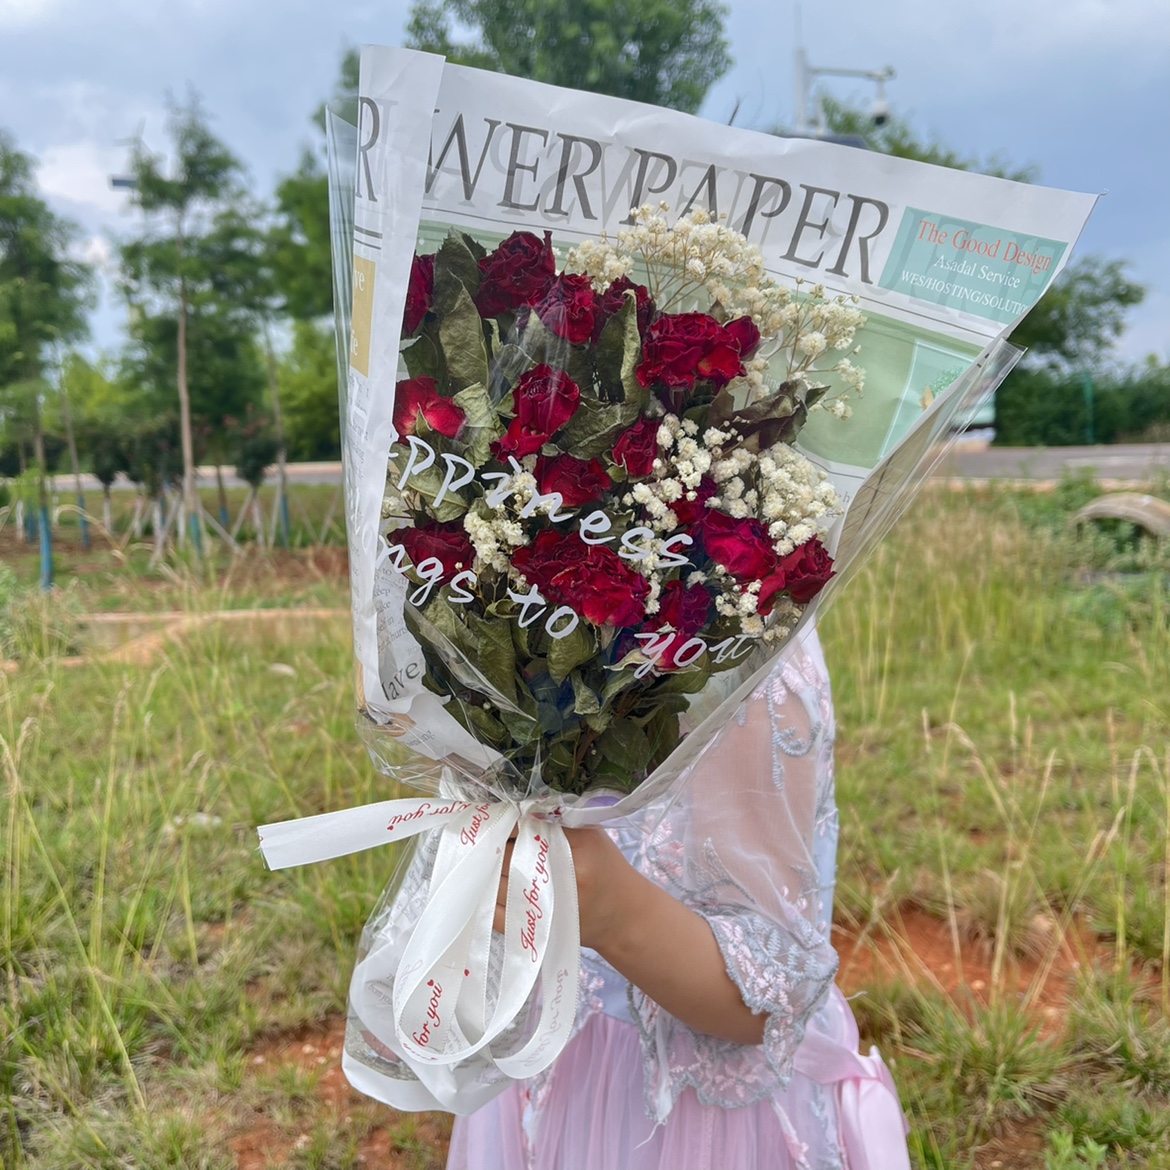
point(1003, 694)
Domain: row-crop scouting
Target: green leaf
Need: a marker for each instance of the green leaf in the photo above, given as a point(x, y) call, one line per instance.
point(456, 271)
point(585, 698)
point(485, 727)
point(428, 484)
point(483, 424)
point(611, 349)
point(461, 332)
point(424, 359)
point(663, 734)
point(496, 654)
point(595, 426)
point(624, 750)
point(567, 653)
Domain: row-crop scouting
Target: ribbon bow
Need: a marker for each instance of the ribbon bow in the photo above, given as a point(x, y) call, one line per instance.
point(428, 1000)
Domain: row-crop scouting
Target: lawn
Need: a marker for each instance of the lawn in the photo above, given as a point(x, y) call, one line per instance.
point(1003, 695)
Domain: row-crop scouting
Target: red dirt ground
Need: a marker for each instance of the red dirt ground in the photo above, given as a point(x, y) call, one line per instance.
point(919, 948)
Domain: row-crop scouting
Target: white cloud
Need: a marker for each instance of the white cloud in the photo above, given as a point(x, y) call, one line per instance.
point(79, 173)
point(20, 13)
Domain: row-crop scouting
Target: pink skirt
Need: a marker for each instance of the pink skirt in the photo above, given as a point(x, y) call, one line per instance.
point(592, 1117)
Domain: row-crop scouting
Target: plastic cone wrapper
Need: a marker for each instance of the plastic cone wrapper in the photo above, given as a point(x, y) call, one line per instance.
point(628, 396)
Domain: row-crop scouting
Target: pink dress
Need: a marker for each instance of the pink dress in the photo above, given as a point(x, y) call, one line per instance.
point(751, 845)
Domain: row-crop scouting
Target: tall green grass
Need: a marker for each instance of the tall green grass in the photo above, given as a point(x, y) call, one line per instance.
point(1004, 765)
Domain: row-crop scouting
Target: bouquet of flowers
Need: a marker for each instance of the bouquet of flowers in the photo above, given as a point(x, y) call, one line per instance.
point(595, 494)
point(591, 495)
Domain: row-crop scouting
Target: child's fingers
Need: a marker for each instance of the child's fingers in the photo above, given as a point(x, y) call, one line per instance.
point(498, 918)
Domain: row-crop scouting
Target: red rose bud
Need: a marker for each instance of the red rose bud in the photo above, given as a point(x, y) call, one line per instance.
point(742, 547)
point(448, 542)
point(589, 578)
point(802, 574)
point(576, 480)
point(419, 293)
point(692, 511)
point(545, 399)
point(745, 334)
point(611, 301)
point(684, 608)
point(569, 308)
point(420, 397)
point(637, 448)
point(680, 348)
point(519, 272)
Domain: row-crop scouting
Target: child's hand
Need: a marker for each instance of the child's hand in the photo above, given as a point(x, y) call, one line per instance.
point(657, 943)
point(604, 881)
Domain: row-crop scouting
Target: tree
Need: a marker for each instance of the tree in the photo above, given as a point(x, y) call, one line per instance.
point(170, 272)
point(1076, 322)
point(665, 52)
point(43, 298)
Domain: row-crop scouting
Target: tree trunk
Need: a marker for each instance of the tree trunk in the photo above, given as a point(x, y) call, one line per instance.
point(67, 414)
point(278, 422)
point(191, 507)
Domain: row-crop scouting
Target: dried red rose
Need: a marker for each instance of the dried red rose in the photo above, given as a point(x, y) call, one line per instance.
point(447, 542)
point(681, 348)
point(692, 511)
point(420, 397)
point(419, 293)
point(569, 308)
point(611, 301)
point(684, 608)
point(637, 448)
point(577, 481)
point(802, 574)
point(591, 579)
point(545, 400)
point(519, 272)
point(745, 333)
point(741, 546)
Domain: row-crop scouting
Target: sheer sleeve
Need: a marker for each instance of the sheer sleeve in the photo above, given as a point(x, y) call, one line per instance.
point(750, 845)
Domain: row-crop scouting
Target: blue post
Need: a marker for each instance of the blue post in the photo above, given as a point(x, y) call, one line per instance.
point(46, 549)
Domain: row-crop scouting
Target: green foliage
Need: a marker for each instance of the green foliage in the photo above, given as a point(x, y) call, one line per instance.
point(43, 293)
point(254, 447)
point(897, 137)
point(192, 278)
point(1041, 407)
point(308, 382)
point(1080, 317)
point(664, 52)
point(299, 241)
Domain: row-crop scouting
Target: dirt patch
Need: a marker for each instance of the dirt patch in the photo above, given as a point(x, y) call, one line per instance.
point(917, 947)
point(384, 1139)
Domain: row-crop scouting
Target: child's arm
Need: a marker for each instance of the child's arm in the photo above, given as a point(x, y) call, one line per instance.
point(661, 946)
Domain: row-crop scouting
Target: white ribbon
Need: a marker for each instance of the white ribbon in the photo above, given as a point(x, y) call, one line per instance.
point(430, 1002)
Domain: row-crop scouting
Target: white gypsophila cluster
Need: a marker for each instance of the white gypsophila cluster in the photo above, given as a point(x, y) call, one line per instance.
point(495, 532)
point(779, 487)
point(700, 264)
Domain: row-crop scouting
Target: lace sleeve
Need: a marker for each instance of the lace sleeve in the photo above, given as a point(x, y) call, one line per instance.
point(746, 848)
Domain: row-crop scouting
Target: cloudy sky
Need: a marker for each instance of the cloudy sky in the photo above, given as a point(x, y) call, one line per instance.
point(1078, 88)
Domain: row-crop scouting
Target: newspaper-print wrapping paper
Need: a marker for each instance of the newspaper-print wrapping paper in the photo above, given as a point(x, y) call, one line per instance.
point(943, 263)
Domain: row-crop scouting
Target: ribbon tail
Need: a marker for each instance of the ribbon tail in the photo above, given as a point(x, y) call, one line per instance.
point(352, 830)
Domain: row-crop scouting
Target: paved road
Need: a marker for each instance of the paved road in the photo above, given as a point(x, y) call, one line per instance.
point(1122, 463)
point(970, 459)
